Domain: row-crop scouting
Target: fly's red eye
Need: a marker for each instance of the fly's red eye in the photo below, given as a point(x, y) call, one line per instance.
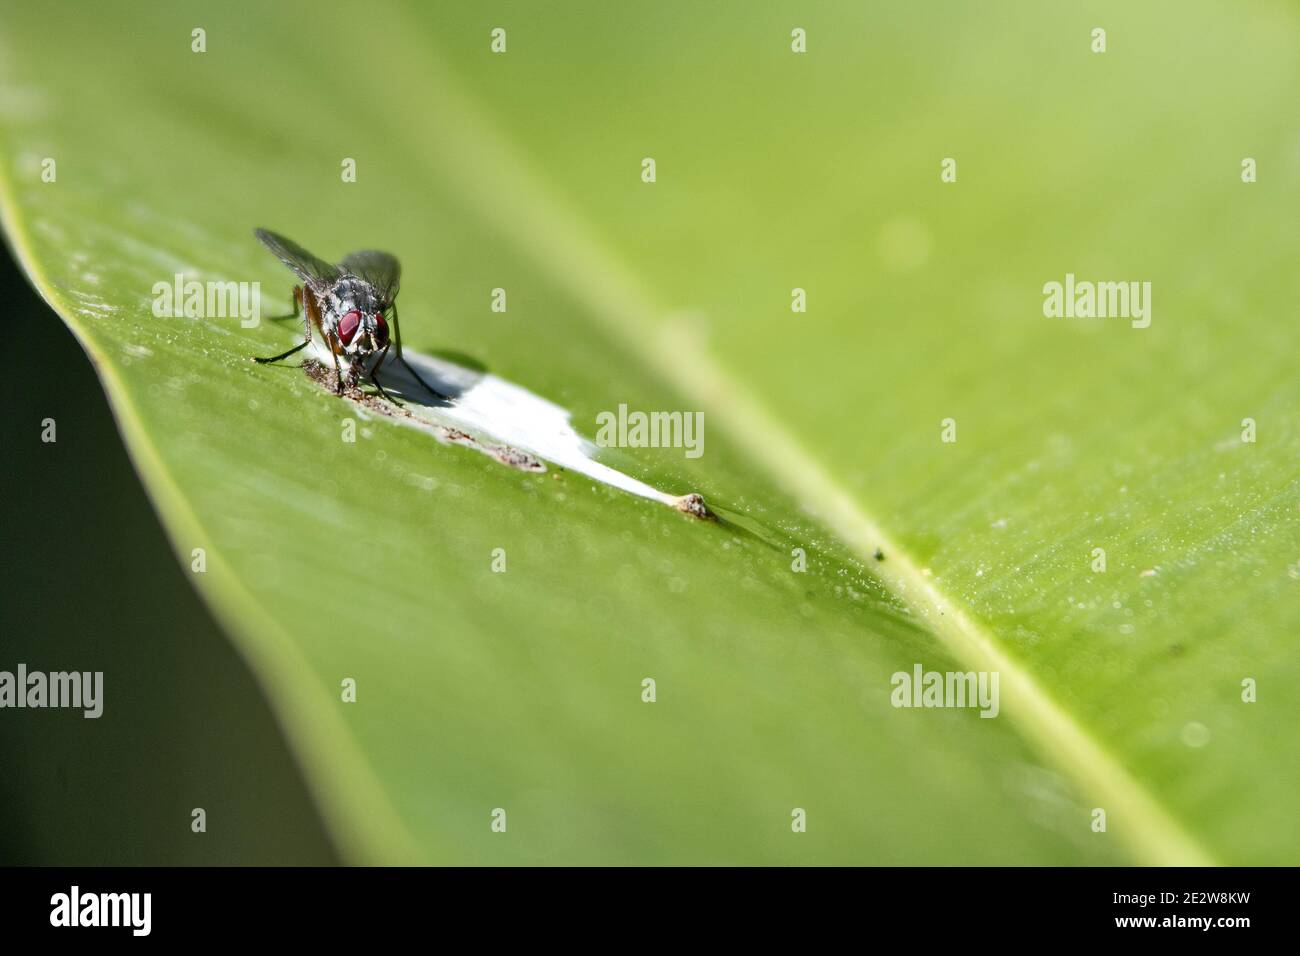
point(348, 326)
point(381, 329)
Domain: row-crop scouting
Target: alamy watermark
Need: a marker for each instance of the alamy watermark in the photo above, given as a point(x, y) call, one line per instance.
point(923, 688)
point(130, 910)
point(1073, 299)
point(79, 690)
point(212, 300)
point(625, 429)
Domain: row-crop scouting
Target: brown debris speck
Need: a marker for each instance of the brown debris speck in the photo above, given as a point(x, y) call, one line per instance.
point(693, 504)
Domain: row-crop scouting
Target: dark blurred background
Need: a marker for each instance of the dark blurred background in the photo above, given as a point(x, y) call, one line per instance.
point(90, 583)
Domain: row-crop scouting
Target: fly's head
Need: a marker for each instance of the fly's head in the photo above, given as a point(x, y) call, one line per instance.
point(357, 314)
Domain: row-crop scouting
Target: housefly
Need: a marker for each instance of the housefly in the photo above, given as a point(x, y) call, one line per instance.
point(349, 305)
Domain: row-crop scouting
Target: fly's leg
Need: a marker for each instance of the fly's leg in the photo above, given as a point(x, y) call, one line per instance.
point(397, 340)
point(431, 390)
point(374, 377)
point(306, 330)
point(263, 360)
point(298, 293)
point(297, 306)
point(338, 375)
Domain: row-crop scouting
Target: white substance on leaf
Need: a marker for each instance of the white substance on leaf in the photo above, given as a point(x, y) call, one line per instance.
point(496, 410)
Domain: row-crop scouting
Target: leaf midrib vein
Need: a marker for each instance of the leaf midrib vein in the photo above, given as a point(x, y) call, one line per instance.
point(520, 207)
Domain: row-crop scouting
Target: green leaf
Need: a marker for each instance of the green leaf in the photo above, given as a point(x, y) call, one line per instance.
point(328, 560)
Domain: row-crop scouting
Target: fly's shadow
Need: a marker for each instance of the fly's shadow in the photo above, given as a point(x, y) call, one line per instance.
point(409, 380)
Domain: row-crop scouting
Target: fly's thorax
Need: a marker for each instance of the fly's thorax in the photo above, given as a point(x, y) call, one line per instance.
point(351, 293)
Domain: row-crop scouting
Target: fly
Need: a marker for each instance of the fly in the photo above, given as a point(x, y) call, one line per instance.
point(346, 304)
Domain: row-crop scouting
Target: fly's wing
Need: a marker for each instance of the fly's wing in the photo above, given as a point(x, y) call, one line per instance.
point(308, 267)
point(381, 270)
